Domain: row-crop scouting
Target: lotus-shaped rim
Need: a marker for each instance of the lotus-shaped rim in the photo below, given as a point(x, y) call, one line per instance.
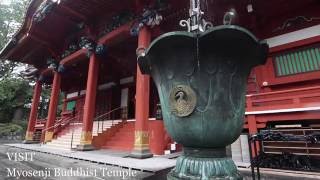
point(145, 64)
point(193, 35)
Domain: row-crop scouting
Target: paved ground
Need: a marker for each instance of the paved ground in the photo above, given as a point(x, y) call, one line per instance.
point(63, 168)
point(42, 164)
point(109, 157)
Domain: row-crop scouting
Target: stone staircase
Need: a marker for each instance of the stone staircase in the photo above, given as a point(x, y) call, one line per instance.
point(73, 133)
point(123, 139)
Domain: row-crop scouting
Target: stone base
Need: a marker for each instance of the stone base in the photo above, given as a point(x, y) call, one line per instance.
point(85, 147)
point(30, 142)
point(48, 137)
point(141, 154)
point(204, 164)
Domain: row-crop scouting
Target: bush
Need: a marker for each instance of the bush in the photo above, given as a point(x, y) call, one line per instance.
point(11, 129)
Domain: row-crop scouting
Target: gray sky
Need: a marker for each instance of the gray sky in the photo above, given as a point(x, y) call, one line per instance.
point(5, 1)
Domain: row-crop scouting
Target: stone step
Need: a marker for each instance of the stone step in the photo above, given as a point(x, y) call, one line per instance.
point(64, 139)
point(69, 139)
point(70, 131)
point(63, 142)
point(119, 143)
point(100, 125)
point(70, 134)
point(104, 127)
point(106, 122)
point(96, 134)
point(100, 129)
point(123, 148)
point(60, 146)
point(123, 139)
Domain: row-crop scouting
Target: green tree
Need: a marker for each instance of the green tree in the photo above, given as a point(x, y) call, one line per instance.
point(11, 18)
point(14, 95)
point(15, 92)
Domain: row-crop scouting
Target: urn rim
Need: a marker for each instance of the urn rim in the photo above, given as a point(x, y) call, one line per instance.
point(144, 61)
point(201, 35)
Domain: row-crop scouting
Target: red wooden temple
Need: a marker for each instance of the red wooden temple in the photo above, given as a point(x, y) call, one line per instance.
point(87, 51)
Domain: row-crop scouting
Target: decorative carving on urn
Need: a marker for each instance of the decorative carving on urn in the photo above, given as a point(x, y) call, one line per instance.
point(201, 80)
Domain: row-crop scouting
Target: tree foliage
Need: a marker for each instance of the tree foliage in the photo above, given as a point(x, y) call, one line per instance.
point(11, 18)
point(15, 92)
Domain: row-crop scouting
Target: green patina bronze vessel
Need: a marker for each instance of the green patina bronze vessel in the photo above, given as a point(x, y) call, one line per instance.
point(201, 80)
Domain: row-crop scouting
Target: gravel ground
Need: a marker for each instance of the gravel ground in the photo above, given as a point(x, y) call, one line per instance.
point(53, 166)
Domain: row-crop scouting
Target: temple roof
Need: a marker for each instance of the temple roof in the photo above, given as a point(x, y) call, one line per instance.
point(49, 24)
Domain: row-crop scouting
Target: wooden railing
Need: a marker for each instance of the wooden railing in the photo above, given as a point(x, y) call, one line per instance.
point(58, 126)
point(106, 117)
point(296, 98)
point(40, 123)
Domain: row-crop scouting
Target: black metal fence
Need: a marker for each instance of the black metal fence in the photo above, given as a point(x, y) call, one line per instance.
point(281, 159)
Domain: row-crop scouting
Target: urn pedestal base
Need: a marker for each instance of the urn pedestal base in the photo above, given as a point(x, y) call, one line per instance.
point(204, 164)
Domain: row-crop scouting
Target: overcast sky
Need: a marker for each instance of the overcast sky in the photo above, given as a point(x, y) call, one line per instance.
point(5, 1)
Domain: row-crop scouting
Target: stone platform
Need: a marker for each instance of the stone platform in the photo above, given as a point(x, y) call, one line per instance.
point(159, 166)
point(107, 157)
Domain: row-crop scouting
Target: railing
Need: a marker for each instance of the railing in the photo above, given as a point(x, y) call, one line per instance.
point(60, 124)
point(103, 117)
point(291, 149)
point(295, 98)
point(40, 122)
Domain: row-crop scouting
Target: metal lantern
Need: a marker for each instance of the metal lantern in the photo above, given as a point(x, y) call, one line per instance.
point(201, 78)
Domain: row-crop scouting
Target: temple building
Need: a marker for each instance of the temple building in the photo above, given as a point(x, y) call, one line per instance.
point(87, 52)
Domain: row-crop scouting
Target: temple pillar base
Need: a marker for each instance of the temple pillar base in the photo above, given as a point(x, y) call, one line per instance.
point(206, 164)
point(30, 142)
point(48, 137)
point(141, 154)
point(29, 138)
point(141, 148)
point(85, 142)
point(85, 147)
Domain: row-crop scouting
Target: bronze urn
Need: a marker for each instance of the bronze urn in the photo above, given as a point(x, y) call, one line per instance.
point(201, 79)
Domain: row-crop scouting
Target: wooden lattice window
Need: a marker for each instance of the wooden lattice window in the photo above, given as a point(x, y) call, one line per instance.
point(299, 61)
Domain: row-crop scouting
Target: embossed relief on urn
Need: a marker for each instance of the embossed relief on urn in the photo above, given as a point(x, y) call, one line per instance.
point(201, 80)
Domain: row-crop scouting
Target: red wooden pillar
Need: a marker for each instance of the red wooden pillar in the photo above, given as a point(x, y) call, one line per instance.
point(141, 141)
point(89, 105)
point(33, 113)
point(53, 107)
point(252, 126)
